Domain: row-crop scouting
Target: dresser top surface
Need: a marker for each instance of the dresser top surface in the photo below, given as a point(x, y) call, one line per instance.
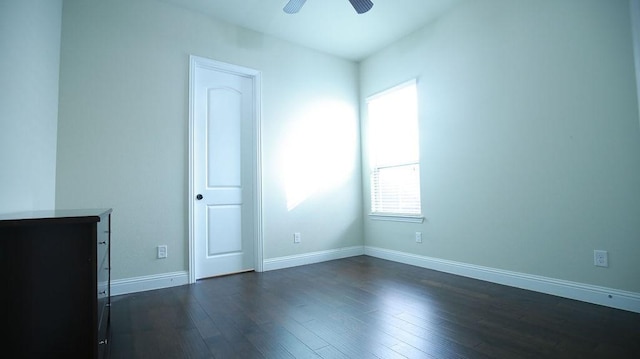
point(85, 215)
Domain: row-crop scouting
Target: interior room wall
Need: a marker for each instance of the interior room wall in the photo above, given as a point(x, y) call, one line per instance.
point(530, 140)
point(29, 68)
point(634, 6)
point(123, 130)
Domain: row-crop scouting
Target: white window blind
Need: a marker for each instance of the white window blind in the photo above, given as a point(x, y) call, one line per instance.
point(394, 151)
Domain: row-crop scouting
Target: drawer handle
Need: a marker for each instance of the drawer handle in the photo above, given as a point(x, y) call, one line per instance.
point(103, 242)
point(103, 342)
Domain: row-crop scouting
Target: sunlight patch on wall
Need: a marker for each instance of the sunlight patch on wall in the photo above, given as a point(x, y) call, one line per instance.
point(319, 151)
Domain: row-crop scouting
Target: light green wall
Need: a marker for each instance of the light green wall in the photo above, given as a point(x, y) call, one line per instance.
point(123, 129)
point(29, 65)
point(529, 129)
point(530, 144)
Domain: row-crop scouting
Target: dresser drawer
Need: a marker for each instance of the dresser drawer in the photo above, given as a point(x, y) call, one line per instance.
point(103, 333)
point(103, 241)
point(103, 287)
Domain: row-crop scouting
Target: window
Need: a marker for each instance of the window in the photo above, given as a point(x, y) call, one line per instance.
point(394, 153)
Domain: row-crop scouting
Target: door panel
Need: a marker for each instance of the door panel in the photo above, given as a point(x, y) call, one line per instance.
point(224, 118)
point(224, 230)
point(224, 160)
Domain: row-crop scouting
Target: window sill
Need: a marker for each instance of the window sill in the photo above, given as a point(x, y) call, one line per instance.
point(396, 217)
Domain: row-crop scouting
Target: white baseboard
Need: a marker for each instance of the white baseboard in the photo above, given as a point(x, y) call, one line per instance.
point(151, 282)
point(613, 298)
point(166, 280)
point(609, 297)
point(313, 257)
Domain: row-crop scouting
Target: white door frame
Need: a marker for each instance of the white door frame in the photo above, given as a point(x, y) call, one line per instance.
point(196, 61)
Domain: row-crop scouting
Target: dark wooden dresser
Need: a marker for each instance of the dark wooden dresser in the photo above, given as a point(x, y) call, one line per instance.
point(56, 283)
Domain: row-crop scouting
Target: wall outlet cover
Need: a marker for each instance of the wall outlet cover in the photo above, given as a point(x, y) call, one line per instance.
point(600, 258)
point(162, 251)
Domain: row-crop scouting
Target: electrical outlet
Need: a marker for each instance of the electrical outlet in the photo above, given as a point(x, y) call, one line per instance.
point(600, 258)
point(296, 237)
point(418, 237)
point(162, 251)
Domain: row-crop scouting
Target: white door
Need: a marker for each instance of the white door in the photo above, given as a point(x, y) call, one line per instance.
point(224, 173)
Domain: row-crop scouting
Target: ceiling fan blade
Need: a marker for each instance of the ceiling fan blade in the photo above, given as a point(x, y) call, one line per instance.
point(293, 6)
point(361, 6)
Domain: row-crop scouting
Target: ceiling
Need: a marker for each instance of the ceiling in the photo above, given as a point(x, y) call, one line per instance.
point(330, 26)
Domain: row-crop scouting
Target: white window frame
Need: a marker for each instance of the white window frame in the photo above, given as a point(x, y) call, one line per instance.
point(376, 166)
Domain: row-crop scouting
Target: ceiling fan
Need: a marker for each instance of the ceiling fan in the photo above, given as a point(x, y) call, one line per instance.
point(361, 6)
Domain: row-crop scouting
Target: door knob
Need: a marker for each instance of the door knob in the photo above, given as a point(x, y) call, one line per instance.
point(199, 197)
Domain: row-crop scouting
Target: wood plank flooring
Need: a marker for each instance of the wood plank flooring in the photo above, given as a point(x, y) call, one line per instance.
point(364, 307)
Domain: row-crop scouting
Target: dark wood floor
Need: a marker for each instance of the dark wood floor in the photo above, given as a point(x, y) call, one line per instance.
point(363, 307)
